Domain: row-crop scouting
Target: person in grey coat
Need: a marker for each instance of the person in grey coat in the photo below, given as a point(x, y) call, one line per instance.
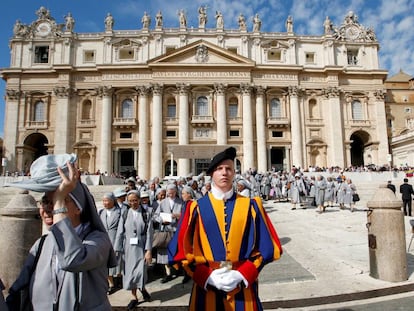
point(138, 248)
point(112, 219)
point(320, 187)
point(72, 270)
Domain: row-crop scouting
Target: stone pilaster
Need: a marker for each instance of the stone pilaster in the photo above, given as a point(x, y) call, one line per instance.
point(143, 167)
point(381, 127)
point(221, 113)
point(106, 132)
point(156, 147)
point(261, 130)
point(333, 117)
point(183, 168)
point(11, 127)
point(248, 143)
point(296, 127)
point(62, 118)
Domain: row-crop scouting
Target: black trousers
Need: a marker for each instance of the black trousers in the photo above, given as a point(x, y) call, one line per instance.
point(407, 207)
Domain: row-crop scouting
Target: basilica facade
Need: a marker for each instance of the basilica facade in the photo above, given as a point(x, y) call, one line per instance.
point(162, 101)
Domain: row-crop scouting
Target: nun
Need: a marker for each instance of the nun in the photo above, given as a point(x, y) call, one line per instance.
point(72, 269)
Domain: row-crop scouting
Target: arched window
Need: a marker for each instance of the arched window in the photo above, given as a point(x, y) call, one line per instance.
point(275, 108)
point(233, 108)
point(87, 110)
point(357, 113)
point(202, 106)
point(127, 109)
point(39, 111)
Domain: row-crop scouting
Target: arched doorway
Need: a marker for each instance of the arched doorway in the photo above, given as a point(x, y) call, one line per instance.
point(359, 141)
point(34, 146)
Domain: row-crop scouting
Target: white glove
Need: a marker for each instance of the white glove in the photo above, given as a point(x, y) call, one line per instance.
point(230, 280)
point(215, 278)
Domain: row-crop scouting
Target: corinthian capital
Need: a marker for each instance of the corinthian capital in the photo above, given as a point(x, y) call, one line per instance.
point(332, 91)
point(157, 89)
point(293, 90)
point(246, 88)
point(220, 88)
point(260, 90)
point(105, 90)
point(13, 94)
point(142, 90)
point(379, 94)
point(62, 91)
point(183, 88)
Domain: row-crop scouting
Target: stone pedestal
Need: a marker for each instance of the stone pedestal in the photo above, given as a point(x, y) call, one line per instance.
point(386, 237)
point(20, 227)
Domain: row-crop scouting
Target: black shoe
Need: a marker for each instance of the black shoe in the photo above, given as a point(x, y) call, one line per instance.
point(146, 295)
point(186, 279)
point(166, 279)
point(132, 304)
point(111, 290)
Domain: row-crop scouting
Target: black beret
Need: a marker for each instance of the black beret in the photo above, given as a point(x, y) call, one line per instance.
point(228, 154)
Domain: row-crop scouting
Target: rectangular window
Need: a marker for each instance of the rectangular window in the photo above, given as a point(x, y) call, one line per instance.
point(126, 54)
point(125, 135)
point(233, 111)
point(277, 134)
point(234, 133)
point(171, 111)
point(171, 134)
point(41, 54)
point(310, 58)
point(89, 56)
point(232, 49)
point(169, 49)
point(352, 56)
point(274, 55)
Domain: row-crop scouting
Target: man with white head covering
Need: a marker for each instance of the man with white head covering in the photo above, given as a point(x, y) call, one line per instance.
point(72, 269)
point(225, 241)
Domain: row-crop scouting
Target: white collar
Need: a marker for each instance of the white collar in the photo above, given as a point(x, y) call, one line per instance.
point(220, 195)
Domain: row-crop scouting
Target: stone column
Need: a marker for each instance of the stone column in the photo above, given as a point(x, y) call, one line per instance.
point(262, 165)
point(143, 163)
point(381, 127)
point(10, 128)
point(296, 132)
point(106, 133)
point(183, 133)
point(156, 147)
point(62, 133)
point(287, 161)
point(335, 136)
point(221, 113)
point(248, 143)
point(20, 227)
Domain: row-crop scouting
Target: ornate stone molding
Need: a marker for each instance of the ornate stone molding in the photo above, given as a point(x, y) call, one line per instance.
point(331, 92)
point(220, 88)
point(183, 88)
point(62, 91)
point(157, 89)
point(245, 88)
point(293, 90)
point(105, 90)
point(142, 90)
point(260, 90)
point(379, 94)
point(13, 94)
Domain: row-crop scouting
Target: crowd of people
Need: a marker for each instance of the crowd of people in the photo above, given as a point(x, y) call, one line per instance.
point(89, 253)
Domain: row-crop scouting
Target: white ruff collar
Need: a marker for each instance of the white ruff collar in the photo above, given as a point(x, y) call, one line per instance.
point(219, 195)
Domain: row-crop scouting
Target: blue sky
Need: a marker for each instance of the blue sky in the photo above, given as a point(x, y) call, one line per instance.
point(392, 21)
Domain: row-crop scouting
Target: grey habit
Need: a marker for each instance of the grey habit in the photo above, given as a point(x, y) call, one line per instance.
point(138, 239)
point(73, 264)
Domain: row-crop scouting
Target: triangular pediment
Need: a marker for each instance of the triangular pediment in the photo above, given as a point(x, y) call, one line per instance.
point(201, 53)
